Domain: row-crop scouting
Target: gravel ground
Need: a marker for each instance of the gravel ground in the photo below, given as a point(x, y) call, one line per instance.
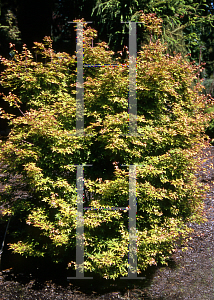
point(190, 274)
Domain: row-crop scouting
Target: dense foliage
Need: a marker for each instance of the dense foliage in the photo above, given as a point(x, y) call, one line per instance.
point(42, 151)
point(210, 129)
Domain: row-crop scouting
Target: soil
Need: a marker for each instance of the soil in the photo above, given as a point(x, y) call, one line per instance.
point(189, 275)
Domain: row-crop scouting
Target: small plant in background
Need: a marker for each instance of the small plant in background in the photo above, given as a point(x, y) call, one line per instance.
point(9, 30)
point(42, 149)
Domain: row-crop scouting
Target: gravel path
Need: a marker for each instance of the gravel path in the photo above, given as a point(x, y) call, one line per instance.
point(191, 275)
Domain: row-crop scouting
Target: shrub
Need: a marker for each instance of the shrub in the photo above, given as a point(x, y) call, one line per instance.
point(42, 150)
point(210, 129)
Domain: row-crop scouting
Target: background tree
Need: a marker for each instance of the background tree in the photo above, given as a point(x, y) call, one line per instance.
point(9, 30)
point(34, 19)
point(9, 34)
point(177, 16)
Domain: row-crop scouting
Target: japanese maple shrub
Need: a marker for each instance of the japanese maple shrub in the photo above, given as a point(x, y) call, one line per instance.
point(42, 150)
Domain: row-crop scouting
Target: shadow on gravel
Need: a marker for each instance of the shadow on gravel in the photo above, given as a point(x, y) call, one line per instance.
point(39, 274)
